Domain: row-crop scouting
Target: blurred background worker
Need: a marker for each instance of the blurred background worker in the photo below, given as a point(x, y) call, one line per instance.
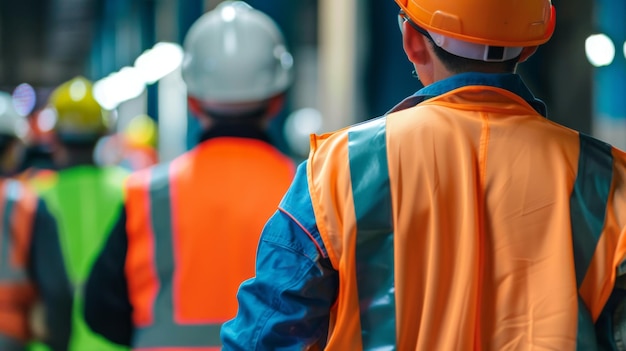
point(168, 275)
point(139, 141)
point(40, 142)
point(133, 148)
point(35, 294)
point(83, 198)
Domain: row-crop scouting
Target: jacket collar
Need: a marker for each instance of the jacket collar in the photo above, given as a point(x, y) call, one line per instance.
point(509, 81)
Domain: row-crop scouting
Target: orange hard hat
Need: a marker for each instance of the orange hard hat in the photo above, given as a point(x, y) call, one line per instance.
point(484, 22)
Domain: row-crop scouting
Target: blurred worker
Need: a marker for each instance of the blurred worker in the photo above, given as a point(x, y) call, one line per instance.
point(84, 199)
point(168, 276)
point(133, 148)
point(139, 140)
point(464, 219)
point(35, 294)
point(37, 165)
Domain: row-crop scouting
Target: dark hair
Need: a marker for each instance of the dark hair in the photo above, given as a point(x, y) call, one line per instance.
point(457, 64)
point(253, 115)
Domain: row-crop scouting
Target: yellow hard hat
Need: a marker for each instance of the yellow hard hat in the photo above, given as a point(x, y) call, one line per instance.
point(456, 24)
point(79, 116)
point(141, 130)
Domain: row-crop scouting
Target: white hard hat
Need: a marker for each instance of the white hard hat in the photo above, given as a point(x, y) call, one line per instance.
point(11, 122)
point(235, 54)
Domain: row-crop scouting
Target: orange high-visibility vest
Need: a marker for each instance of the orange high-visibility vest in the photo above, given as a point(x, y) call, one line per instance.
point(17, 294)
point(468, 222)
point(193, 227)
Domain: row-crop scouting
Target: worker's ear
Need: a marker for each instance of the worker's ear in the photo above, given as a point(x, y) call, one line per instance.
point(194, 106)
point(527, 52)
point(275, 105)
point(415, 45)
point(196, 109)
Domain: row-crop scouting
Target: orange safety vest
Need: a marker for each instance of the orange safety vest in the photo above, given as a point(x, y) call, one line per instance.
point(17, 293)
point(193, 227)
point(468, 222)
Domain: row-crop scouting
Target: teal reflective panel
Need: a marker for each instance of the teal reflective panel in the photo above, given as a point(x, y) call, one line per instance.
point(8, 271)
point(374, 241)
point(586, 336)
point(588, 203)
point(164, 331)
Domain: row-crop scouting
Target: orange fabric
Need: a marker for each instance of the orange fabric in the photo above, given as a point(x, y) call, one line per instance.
point(143, 284)
point(222, 193)
point(17, 297)
point(334, 213)
point(481, 223)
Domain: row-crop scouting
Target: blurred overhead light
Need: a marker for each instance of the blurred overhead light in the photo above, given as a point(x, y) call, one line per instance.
point(46, 119)
point(299, 125)
point(118, 87)
point(625, 49)
point(24, 99)
point(159, 61)
point(600, 50)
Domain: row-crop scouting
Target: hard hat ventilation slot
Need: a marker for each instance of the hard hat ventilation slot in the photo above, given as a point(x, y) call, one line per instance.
point(495, 53)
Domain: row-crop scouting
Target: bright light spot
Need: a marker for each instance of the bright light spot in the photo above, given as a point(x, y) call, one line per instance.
point(159, 61)
point(299, 126)
point(118, 87)
point(228, 13)
point(625, 49)
point(24, 99)
point(46, 119)
point(600, 50)
point(286, 60)
point(78, 90)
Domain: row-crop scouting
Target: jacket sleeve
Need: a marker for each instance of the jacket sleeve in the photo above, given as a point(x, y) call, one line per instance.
point(287, 304)
point(108, 311)
point(47, 269)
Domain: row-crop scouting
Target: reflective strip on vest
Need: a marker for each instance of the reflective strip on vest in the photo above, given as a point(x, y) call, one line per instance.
point(588, 204)
point(164, 332)
point(16, 290)
point(9, 270)
point(374, 241)
point(16, 236)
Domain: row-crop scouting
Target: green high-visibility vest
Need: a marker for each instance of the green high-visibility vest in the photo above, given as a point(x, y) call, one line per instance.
point(85, 201)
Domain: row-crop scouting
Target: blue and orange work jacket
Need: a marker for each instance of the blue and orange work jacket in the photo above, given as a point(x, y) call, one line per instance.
point(462, 220)
point(31, 272)
point(190, 232)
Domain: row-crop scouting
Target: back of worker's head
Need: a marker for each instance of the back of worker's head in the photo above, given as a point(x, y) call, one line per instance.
point(236, 61)
point(80, 120)
point(13, 127)
point(479, 32)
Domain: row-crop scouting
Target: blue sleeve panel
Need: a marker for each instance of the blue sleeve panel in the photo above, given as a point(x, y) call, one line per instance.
point(286, 306)
point(47, 269)
point(108, 311)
